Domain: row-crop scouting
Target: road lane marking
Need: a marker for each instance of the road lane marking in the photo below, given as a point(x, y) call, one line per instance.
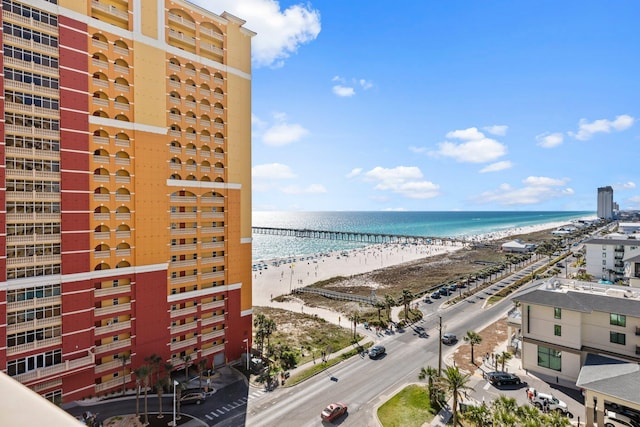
point(208, 417)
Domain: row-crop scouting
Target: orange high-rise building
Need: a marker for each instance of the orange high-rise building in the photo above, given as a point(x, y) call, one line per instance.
point(126, 191)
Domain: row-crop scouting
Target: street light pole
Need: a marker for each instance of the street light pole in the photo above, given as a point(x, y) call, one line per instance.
point(175, 383)
point(246, 343)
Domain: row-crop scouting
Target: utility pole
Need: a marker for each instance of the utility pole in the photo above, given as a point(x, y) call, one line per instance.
point(440, 346)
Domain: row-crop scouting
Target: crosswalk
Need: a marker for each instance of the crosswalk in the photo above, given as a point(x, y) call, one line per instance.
point(223, 410)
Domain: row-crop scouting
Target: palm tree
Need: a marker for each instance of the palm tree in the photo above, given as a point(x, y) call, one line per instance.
point(473, 338)
point(124, 358)
point(407, 297)
point(503, 357)
point(380, 305)
point(504, 411)
point(269, 328)
point(143, 373)
point(186, 359)
point(389, 302)
point(258, 324)
point(354, 318)
point(161, 385)
point(455, 382)
point(201, 366)
point(479, 415)
point(430, 374)
point(555, 419)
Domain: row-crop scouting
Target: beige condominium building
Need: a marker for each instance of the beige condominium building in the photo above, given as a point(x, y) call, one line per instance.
point(126, 191)
point(587, 334)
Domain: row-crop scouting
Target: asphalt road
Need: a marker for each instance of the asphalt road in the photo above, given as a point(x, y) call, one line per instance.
point(364, 384)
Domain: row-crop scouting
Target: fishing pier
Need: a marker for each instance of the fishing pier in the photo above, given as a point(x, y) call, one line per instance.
point(354, 236)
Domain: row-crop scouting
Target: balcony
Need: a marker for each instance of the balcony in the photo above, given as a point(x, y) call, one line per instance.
point(116, 382)
point(57, 370)
point(177, 35)
point(108, 366)
point(180, 248)
point(34, 260)
point(212, 245)
point(31, 66)
point(35, 345)
point(115, 345)
point(30, 44)
point(213, 275)
point(184, 343)
point(181, 329)
point(183, 199)
point(212, 230)
point(120, 69)
point(33, 238)
point(34, 324)
point(180, 20)
point(29, 22)
point(184, 311)
point(183, 215)
point(112, 328)
point(120, 50)
point(183, 279)
point(212, 335)
point(100, 64)
point(212, 215)
point(34, 303)
point(218, 260)
point(212, 320)
point(212, 350)
point(183, 231)
point(210, 33)
point(213, 200)
point(209, 47)
point(174, 67)
point(110, 10)
point(112, 309)
point(30, 130)
point(34, 216)
point(115, 290)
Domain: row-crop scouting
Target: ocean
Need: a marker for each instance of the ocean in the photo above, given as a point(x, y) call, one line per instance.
point(431, 224)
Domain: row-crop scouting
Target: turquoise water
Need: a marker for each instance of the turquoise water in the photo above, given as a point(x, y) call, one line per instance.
point(432, 224)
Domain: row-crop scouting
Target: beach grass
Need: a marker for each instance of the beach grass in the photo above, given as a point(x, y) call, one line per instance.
point(408, 408)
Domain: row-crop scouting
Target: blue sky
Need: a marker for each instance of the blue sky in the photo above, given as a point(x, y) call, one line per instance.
point(442, 105)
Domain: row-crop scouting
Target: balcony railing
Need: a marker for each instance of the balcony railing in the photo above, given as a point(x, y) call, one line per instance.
point(114, 364)
point(35, 345)
point(184, 311)
point(212, 320)
point(115, 345)
point(212, 350)
point(112, 309)
point(182, 279)
point(112, 328)
point(57, 370)
point(34, 324)
point(34, 303)
point(184, 343)
point(116, 382)
point(206, 306)
point(212, 335)
point(109, 9)
point(213, 275)
point(179, 329)
point(115, 290)
point(180, 20)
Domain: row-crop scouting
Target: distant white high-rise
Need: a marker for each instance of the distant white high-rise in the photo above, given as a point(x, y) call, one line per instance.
point(605, 202)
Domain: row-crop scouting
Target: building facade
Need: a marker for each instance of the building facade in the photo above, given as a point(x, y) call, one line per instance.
point(607, 258)
point(605, 202)
point(566, 322)
point(127, 191)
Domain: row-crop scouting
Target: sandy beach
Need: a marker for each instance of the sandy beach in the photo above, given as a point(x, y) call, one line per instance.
point(272, 278)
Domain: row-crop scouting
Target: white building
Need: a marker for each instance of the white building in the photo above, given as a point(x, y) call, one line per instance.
point(566, 323)
point(518, 246)
point(605, 257)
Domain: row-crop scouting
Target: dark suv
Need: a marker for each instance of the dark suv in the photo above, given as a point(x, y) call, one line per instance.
point(376, 351)
point(500, 378)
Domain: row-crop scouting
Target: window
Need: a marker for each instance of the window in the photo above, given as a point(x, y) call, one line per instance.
point(557, 330)
point(549, 358)
point(618, 319)
point(557, 313)
point(604, 262)
point(604, 254)
point(617, 338)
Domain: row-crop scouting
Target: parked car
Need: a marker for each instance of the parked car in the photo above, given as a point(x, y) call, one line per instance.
point(613, 419)
point(192, 397)
point(453, 287)
point(553, 403)
point(501, 378)
point(444, 291)
point(333, 411)
point(435, 295)
point(449, 338)
point(376, 351)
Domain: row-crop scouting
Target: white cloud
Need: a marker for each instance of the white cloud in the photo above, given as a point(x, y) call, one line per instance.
point(279, 32)
point(536, 189)
point(498, 166)
point(354, 172)
point(499, 130)
point(417, 150)
point(404, 180)
point(586, 130)
point(550, 140)
point(625, 186)
point(343, 91)
point(477, 151)
point(344, 88)
point(310, 189)
point(272, 171)
point(466, 134)
point(476, 148)
point(282, 133)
